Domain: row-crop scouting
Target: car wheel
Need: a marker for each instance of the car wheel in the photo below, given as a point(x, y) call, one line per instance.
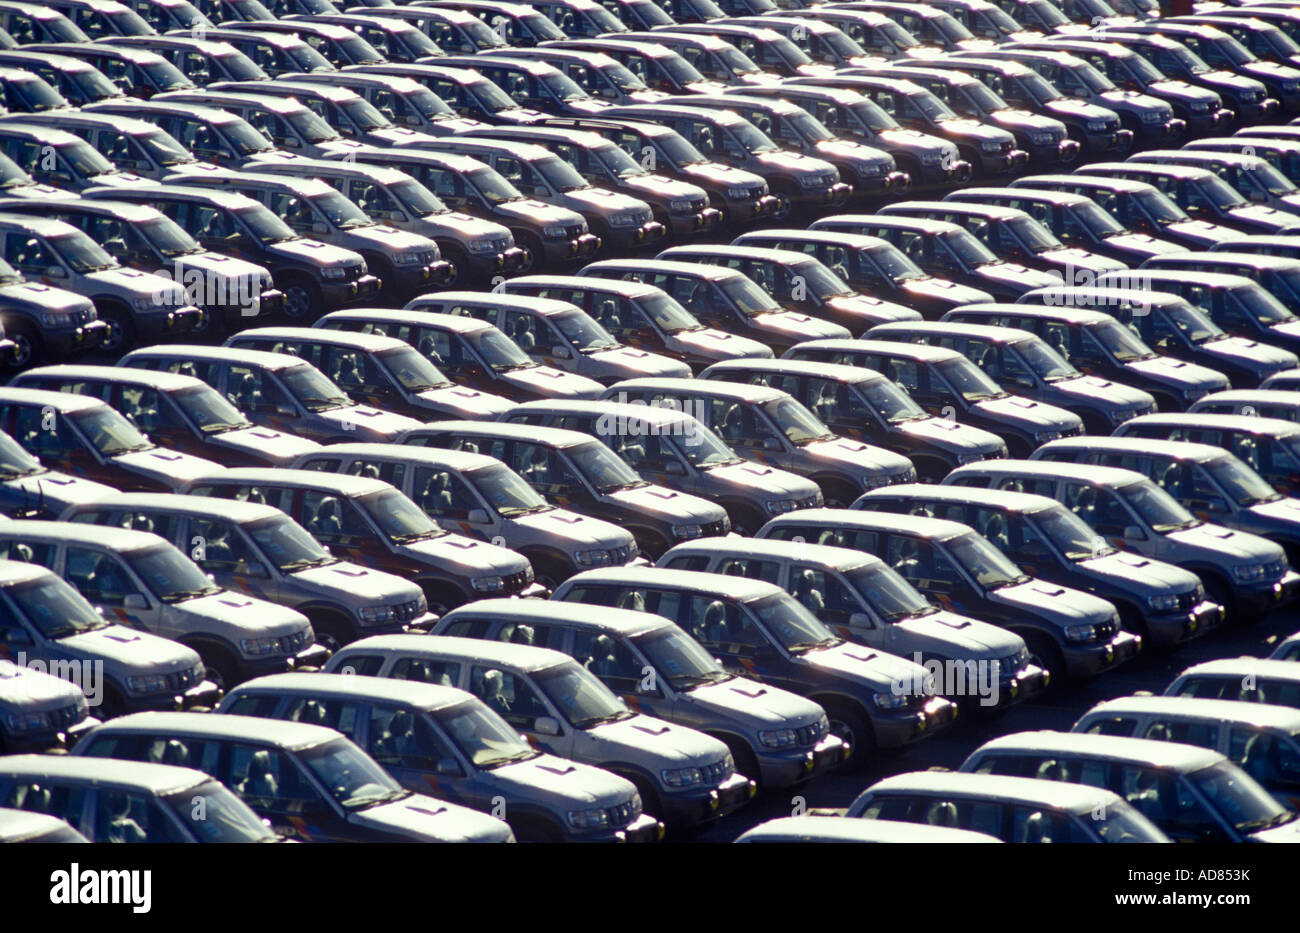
point(443, 598)
point(784, 206)
point(850, 724)
point(331, 631)
point(746, 761)
point(28, 346)
point(533, 252)
point(838, 495)
point(221, 667)
point(1045, 653)
point(1219, 590)
point(745, 521)
point(121, 330)
point(549, 573)
point(302, 299)
point(459, 260)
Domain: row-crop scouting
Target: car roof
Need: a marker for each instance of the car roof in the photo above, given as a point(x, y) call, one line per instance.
point(461, 461)
point(1007, 499)
point(652, 415)
point(1055, 469)
point(1260, 667)
point(1035, 194)
point(507, 654)
point(244, 356)
point(548, 437)
point(1049, 312)
point(700, 270)
point(232, 509)
point(760, 253)
point(164, 382)
point(410, 692)
point(729, 117)
point(836, 372)
point(279, 732)
point(736, 391)
point(339, 483)
point(40, 226)
point(830, 237)
point(1174, 450)
point(623, 287)
point(371, 343)
point(1062, 295)
point(1083, 178)
point(20, 571)
point(511, 147)
point(1262, 260)
point(125, 210)
point(921, 526)
point(921, 352)
point(1154, 752)
point(897, 221)
point(996, 211)
point(1245, 424)
point(105, 772)
point(1162, 273)
point(81, 533)
point(1170, 169)
point(839, 558)
point(19, 825)
point(1077, 798)
point(742, 589)
point(59, 401)
point(456, 323)
point(1262, 396)
point(526, 304)
point(992, 332)
point(1268, 715)
point(626, 622)
point(842, 829)
point(383, 174)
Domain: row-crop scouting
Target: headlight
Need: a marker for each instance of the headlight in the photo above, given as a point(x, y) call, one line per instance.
point(597, 557)
point(685, 532)
point(778, 738)
point(482, 246)
point(373, 614)
point(1044, 138)
point(816, 181)
point(1290, 87)
point(147, 683)
point(779, 506)
point(1166, 602)
point(680, 205)
point(334, 272)
point(625, 220)
point(741, 193)
point(1200, 106)
point(554, 233)
point(257, 647)
point(488, 584)
point(1079, 633)
point(588, 819)
point(146, 304)
point(890, 700)
point(1246, 573)
point(682, 777)
point(27, 722)
point(930, 158)
point(61, 318)
point(1151, 116)
point(1042, 437)
point(991, 145)
point(415, 257)
point(1096, 126)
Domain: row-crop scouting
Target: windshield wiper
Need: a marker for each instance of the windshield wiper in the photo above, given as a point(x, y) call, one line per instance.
point(523, 755)
point(304, 563)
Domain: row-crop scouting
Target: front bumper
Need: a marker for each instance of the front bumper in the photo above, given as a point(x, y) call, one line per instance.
point(694, 223)
point(1083, 661)
point(1017, 688)
point(1260, 111)
point(1066, 153)
point(361, 289)
point(786, 767)
point(579, 247)
point(894, 730)
point(1255, 601)
point(309, 658)
point(1213, 119)
point(645, 828)
point(874, 186)
point(203, 694)
point(647, 234)
point(409, 280)
point(704, 804)
point(151, 327)
point(485, 265)
point(40, 742)
point(82, 339)
point(1175, 628)
point(266, 303)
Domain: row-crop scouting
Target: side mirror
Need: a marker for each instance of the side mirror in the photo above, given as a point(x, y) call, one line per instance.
point(861, 620)
point(290, 143)
point(257, 571)
point(448, 767)
point(1134, 533)
point(55, 272)
point(477, 517)
point(771, 443)
point(561, 352)
point(673, 468)
point(134, 601)
point(319, 227)
point(15, 635)
point(1217, 505)
point(397, 217)
point(546, 725)
point(287, 410)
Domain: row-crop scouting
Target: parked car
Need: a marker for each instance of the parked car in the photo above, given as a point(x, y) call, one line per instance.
point(41, 712)
point(28, 489)
point(1248, 680)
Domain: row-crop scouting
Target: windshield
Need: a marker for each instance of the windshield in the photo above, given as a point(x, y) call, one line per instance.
point(412, 369)
point(582, 331)
point(426, 103)
point(349, 775)
point(1156, 507)
point(750, 137)
point(809, 127)
point(208, 409)
point(1034, 235)
point(168, 237)
point(1038, 88)
point(364, 114)
point(1119, 822)
point(668, 314)
point(506, 491)
point(677, 148)
point(1143, 69)
point(873, 116)
point(265, 227)
point(312, 389)
point(790, 624)
point(108, 432)
point(968, 249)
point(983, 98)
point(682, 72)
point(561, 86)
point(165, 76)
point(1160, 207)
point(310, 127)
point(307, 59)
point(1122, 343)
point(82, 253)
point(1043, 361)
point(482, 736)
point(339, 211)
point(1070, 534)
point(35, 94)
point(1273, 180)
point(949, 27)
point(84, 161)
point(930, 106)
point(491, 97)
point(679, 659)
point(748, 297)
point(245, 138)
point(416, 198)
point(894, 263)
point(889, 401)
point(989, 567)
point(603, 468)
point(1238, 798)
point(94, 86)
point(820, 281)
point(242, 68)
point(617, 162)
point(703, 448)
point(1218, 192)
point(582, 699)
point(214, 814)
point(398, 517)
point(14, 461)
point(498, 351)
point(891, 596)
point(968, 380)
point(169, 574)
point(797, 423)
point(1262, 306)
point(559, 174)
point(1241, 484)
point(55, 608)
point(1095, 219)
point(288, 545)
point(493, 187)
point(736, 61)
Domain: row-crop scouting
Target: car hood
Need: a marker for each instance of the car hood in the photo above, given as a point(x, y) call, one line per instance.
point(1080, 109)
point(913, 140)
point(973, 129)
point(465, 403)
point(957, 636)
point(579, 531)
point(1170, 371)
point(1218, 540)
point(755, 703)
point(137, 283)
point(768, 482)
point(471, 557)
point(264, 443)
point(798, 326)
point(553, 383)
point(1062, 604)
point(1074, 258)
point(218, 266)
point(1014, 274)
point(169, 467)
point(382, 236)
point(951, 435)
point(1257, 215)
point(631, 363)
point(569, 781)
point(132, 650)
point(858, 455)
point(468, 226)
point(602, 199)
point(256, 617)
point(375, 420)
point(1143, 574)
point(538, 213)
point(1255, 355)
point(848, 150)
point(660, 186)
point(784, 160)
point(1143, 245)
point(876, 669)
point(719, 174)
point(1110, 394)
point(315, 253)
point(1024, 120)
point(1028, 413)
point(674, 745)
point(354, 583)
point(946, 291)
point(719, 344)
point(31, 691)
point(1203, 231)
point(44, 296)
point(1287, 832)
point(1281, 511)
point(873, 310)
point(669, 504)
point(59, 490)
point(425, 819)
point(1183, 91)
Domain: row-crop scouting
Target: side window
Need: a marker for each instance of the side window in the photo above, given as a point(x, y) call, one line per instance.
point(1269, 759)
point(390, 471)
point(544, 469)
point(331, 519)
point(1030, 825)
point(532, 633)
point(1204, 734)
point(101, 578)
point(29, 254)
point(120, 816)
point(526, 330)
point(367, 665)
point(721, 626)
point(1098, 507)
point(647, 451)
point(608, 659)
point(252, 704)
point(428, 670)
point(342, 715)
point(267, 779)
point(823, 594)
point(352, 370)
point(218, 546)
point(295, 211)
point(768, 571)
point(509, 695)
point(921, 564)
point(1113, 725)
point(42, 436)
point(29, 552)
point(442, 494)
point(67, 803)
point(257, 392)
point(399, 738)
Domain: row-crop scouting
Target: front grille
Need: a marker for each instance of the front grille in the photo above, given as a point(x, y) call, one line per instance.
point(808, 736)
point(815, 501)
point(1011, 665)
point(517, 581)
point(407, 611)
point(183, 680)
point(1189, 599)
point(621, 555)
point(1006, 147)
point(715, 773)
point(715, 529)
point(699, 204)
point(66, 717)
point(1106, 630)
point(354, 270)
point(1276, 569)
point(623, 814)
point(500, 244)
point(574, 231)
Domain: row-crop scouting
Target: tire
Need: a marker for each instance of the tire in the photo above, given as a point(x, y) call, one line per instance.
point(549, 572)
point(29, 348)
point(111, 704)
point(838, 494)
point(744, 757)
point(650, 801)
point(1044, 652)
point(534, 253)
point(332, 631)
point(121, 329)
point(850, 723)
point(443, 597)
point(302, 299)
point(459, 260)
point(784, 206)
point(651, 544)
point(1219, 590)
point(745, 521)
point(221, 666)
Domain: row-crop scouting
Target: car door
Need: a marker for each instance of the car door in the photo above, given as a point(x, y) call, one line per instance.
point(274, 785)
point(517, 700)
point(110, 585)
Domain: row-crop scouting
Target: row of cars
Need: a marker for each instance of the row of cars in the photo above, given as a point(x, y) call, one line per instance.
point(205, 526)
